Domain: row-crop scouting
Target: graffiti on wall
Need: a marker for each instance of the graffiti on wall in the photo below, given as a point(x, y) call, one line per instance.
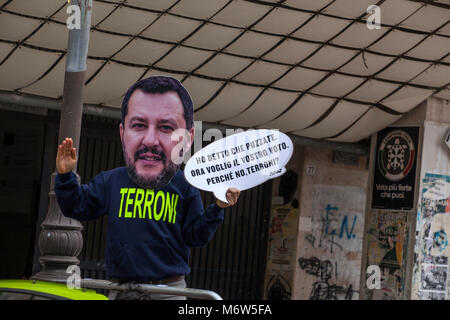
point(430, 273)
point(387, 248)
point(333, 227)
point(335, 241)
point(325, 288)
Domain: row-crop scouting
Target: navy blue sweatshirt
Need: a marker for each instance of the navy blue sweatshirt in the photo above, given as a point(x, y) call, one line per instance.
point(149, 231)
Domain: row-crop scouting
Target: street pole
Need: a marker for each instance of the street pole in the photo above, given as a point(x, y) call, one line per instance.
point(60, 238)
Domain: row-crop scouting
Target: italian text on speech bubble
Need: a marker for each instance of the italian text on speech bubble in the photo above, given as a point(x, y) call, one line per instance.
point(242, 160)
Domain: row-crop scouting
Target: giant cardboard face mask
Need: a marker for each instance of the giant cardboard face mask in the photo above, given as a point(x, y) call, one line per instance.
point(147, 137)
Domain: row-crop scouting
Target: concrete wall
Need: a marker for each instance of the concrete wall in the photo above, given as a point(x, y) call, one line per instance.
point(332, 204)
point(332, 200)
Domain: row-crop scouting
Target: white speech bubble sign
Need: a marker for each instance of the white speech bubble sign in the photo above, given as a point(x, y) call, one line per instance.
point(242, 160)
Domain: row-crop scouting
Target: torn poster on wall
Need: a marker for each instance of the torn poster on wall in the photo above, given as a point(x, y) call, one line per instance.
point(282, 250)
point(387, 246)
point(432, 250)
point(433, 279)
point(435, 195)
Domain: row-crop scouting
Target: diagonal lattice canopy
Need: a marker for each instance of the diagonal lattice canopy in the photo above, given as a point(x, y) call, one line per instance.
point(310, 68)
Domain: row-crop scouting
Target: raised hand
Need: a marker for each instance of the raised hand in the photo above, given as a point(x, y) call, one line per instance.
point(232, 197)
point(66, 159)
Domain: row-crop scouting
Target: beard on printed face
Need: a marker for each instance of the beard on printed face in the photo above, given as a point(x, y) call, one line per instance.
point(168, 171)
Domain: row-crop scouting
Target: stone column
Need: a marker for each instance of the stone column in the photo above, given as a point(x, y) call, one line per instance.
point(60, 240)
point(405, 246)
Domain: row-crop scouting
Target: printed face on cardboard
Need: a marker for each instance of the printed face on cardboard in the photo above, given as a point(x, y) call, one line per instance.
point(148, 141)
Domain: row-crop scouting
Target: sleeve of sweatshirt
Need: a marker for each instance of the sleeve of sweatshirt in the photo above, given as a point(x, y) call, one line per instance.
point(81, 202)
point(199, 224)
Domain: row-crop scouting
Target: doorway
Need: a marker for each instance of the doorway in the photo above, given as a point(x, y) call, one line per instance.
point(21, 152)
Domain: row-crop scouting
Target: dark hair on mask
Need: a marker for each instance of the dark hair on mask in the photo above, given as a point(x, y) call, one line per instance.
point(162, 84)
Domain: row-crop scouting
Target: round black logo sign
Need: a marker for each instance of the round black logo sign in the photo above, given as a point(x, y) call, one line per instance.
point(396, 155)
